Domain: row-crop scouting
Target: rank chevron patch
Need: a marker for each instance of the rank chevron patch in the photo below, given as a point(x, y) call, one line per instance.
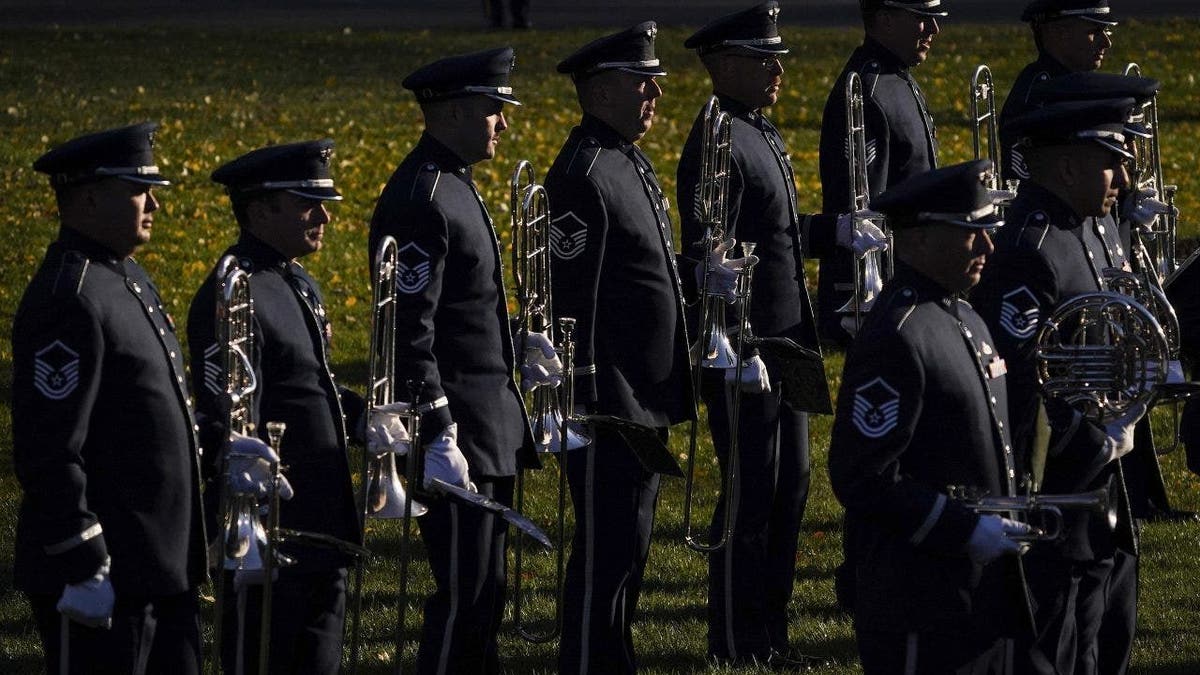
point(876, 408)
point(412, 269)
point(56, 371)
point(1019, 313)
point(568, 236)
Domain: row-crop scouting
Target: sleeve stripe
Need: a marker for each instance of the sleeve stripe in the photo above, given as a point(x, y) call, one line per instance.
point(441, 402)
point(585, 370)
point(930, 520)
point(71, 542)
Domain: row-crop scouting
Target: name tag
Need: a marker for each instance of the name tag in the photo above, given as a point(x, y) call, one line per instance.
point(996, 367)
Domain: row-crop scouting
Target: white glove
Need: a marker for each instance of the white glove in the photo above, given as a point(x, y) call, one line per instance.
point(542, 367)
point(250, 468)
point(722, 273)
point(90, 602)
point(755, 379)
point(991, 538)
point(385, 431)
point(444, 460)
point(1142, 206)
point(1120, 432)
point(858, 232)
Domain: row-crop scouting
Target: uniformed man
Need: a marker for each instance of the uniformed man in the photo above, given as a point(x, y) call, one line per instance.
point(279, 194)
point(110, 537)
point(750, 579)
point(1140, 208)
point(1071, 36)
point(900, 137)
point(923, 406)
point(1078, 164)
point(614, 271)
point(453, 338)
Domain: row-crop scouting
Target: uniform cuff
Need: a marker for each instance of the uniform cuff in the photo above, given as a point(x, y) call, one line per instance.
point(947, 527)
point(80, 561)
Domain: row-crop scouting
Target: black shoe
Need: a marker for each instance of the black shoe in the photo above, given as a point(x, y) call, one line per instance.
point(794, 662)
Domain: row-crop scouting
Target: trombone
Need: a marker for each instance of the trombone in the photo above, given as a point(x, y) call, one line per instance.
point(983, 115)
point(1163, 232)
point(245, 544)
point(383, 496)
point(549, 407)
point(868, 274)
point(713, 349)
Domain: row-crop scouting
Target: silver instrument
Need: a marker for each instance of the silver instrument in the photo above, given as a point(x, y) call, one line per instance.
point(713, 348)
point(1044, 512)
point(874, 268)
point(549, 407)
point(1102, 353)
point(383, 495)
point(1162, 234)
point(985, 131)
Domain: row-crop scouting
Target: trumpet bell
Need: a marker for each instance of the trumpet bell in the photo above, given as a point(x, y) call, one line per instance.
point(547, 430)
point(386, 496)
point(246, 541)
point(868, 288)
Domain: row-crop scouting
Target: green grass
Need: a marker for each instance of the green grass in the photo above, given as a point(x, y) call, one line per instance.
point(221, 93)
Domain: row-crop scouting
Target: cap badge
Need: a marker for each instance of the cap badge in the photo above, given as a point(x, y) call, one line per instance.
point(652, 32)
point(326, 153)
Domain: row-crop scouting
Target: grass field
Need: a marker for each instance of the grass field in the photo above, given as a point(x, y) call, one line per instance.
point(218, 94)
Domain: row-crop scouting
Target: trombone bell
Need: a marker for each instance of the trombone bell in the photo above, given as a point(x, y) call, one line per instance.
point(548, 430)
point(386, 496)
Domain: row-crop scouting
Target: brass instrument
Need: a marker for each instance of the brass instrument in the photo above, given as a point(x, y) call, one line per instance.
point(383, 495)
point(549, 406)
point(275, 435)
point(713, 349)
point(1161, 237)
point(983, 115)
point(870, 271)
point(1044, 512)
point(1102, 353)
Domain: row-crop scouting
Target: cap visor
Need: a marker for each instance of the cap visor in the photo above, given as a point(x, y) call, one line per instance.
point(1095, 18)
point(770, 49)
point(987, 222)
point(924, 12)
point(324, 194)
point(150, 179)
point(652, 72)
point(504, 98)
point(1118, 148)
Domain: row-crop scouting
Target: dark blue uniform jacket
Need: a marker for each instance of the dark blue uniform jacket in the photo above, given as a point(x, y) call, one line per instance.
point(452, 325)
point(614, 272)
point(292, 337)
point(922, 407)
point(104, 442)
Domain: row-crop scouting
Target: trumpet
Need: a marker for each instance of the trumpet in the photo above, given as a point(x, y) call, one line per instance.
point(1102, 353)
point(549, 407)
point(1043, 511)
point(383, 495)
point(869, 272)
point(713, 348)
point(1162, 234)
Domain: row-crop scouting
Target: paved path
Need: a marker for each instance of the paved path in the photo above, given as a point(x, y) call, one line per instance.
point(366, 14)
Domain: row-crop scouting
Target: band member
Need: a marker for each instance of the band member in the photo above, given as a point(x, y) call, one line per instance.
point(900, 137)
point(614, 271)
point(939, 586)
point(750, 579)
point(279, 194)
point(110, 537)
point(1077, 161)
point(453, 338)
point(1071, 36)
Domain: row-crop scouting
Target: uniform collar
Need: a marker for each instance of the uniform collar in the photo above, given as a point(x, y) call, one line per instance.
point(1049, 64)
point(888, 61)
point(92, 249)
point(734, 107)
point(433, 150)
point(605, 135)
point(1058, 212)
point(927, 289)
point(260, 254)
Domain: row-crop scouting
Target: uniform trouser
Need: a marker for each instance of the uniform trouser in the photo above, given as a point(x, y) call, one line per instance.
point(1085, 613)
point(308, 611)
point(750, 579)
point(466, 549)
point(614, 499)
point(887, 653)
point(148, 635)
